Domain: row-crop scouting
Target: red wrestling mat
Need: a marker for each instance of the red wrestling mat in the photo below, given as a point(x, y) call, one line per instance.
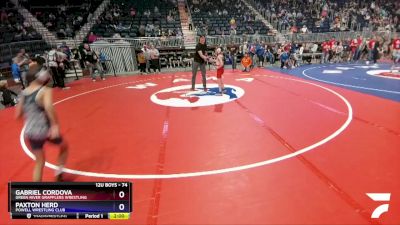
point(273, 150)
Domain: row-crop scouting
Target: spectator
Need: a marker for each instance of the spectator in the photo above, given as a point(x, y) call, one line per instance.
point(304, 29)
point(103, 58)
point(246, 62)
point(232, 23)
point(155, 61)
point(190, 23)
point(69, 32)
point(8, 97)
point(338, 52)
point(270, 55)
point(3, 16)
point(354, 49)
point(81, 56)
point(186, 59)
point(284, 57)
point(142, 62)
point(325, 51)
point(54, 59)
point(295, 57)
point(147, 13)
point(92, 37)
point(116, 14)
point(149, 30)
point(375, 52)
point(133, 12)
point(142, 30)
point(146, 52)
point(244, 48)
point(61, 34)
point(92, 62)
point(15, 71)
point(174, 60)
point(293, 29)
point(22, 59)
point(371, 48)
point(332, 45)
point(395, 46)
point(260, 51)
point(75, 54)
point(67, 51)
point(253, 55)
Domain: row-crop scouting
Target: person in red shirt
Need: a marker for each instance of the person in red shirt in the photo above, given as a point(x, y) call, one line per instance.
point(92, 37)
point(359, 48)
point(396, 44)
point(371, 46)
point(396, 51)
point(353, 47)
point(287, 47)
point(325, 51)
point(371, 43)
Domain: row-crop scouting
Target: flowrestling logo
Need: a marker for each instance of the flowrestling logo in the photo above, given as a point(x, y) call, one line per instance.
point(182, 96)
point(380, 197)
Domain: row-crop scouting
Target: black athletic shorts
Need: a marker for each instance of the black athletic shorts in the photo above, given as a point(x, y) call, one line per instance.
point(37, 144)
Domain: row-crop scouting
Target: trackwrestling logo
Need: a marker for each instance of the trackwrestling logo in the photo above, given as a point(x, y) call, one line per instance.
point(181, 96)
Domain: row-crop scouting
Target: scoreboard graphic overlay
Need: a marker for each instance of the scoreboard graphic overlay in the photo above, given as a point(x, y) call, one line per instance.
point(67, 200)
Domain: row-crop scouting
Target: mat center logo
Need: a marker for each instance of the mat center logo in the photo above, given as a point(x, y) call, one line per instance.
point(385, 73)
point(182, 96)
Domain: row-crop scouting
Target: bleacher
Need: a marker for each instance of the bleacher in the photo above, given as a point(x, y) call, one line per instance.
point(12, 26)
point(326, 16)
point(63, 17)
point(206, 18)
point(142, 24)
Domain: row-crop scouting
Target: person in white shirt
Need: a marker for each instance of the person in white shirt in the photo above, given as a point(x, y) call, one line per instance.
point(155, 61)
point(339, 52)
point(146, 52)
point(304, 29)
